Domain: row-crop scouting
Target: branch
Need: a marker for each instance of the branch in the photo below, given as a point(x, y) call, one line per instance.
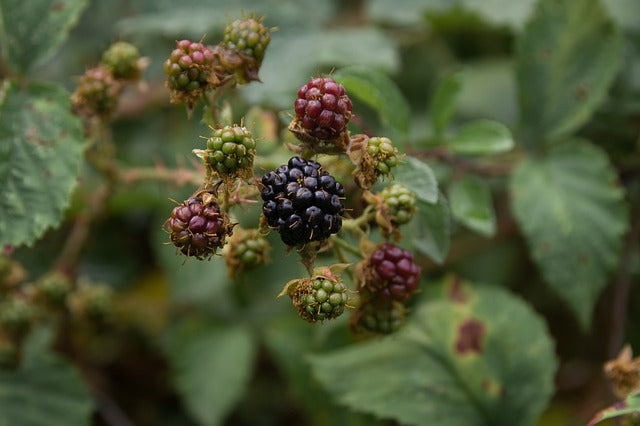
point(463, 165)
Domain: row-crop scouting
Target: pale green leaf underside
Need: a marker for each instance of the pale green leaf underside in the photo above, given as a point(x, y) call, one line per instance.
point(379, 92)
point(572, 214)
point(482, 137)
point(419, 178)
point(44, 391)
point(566, 59)
point(211, 367)
point(33, 30)
point(41, 145)
point(424, 375)
point(471, 204)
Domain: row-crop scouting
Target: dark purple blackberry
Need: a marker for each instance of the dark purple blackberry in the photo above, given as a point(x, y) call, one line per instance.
point(391, 271)
point(322, 108)
point(303, 202)
point(198, 227)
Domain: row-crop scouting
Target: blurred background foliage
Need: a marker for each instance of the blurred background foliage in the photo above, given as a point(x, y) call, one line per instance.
point(191, 346)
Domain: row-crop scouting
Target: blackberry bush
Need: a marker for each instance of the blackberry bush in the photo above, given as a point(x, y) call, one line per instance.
point(302, 202)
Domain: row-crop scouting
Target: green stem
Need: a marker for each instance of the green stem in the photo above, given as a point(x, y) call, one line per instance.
point(339, 243)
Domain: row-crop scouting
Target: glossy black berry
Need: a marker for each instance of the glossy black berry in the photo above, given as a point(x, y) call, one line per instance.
point(303, 202)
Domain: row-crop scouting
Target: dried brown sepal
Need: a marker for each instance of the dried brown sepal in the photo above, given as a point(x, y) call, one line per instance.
point(365, 174)
point(310, 145)
point(382, 217)
point(231, 63)
point(624, 372)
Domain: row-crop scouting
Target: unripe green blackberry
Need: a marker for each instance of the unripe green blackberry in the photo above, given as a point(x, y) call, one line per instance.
point(189, 71)
point(400, 203)
point(97, 93)
point(321, 297)
point(378, 317)
point(248, 248)
point(249, 37)
point(53, 289)
point(230, 152)
point(374, 158)
point(384, 154)
point(15, 316)
point(122, 59)
point(91, 301)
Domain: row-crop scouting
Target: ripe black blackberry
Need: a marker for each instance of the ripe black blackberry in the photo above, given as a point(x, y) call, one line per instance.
point(303, 202)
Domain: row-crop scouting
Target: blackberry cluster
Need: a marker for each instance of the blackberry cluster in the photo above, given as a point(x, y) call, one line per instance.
point(378, 317)
point(230, 151)
point(198, 227)
point(53, 289)
point(250, 37)
point(97, 93)
point(122, 59)
point(400, 203)
point(322, 108)
point(188, 69)
point(319, 299)
point(391, 271)
point(15, 316)
point(303, 202)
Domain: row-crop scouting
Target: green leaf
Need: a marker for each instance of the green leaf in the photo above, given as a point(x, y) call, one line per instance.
point(631, 405)
point(566, 60)
point(443, 102)
point(479, 357)
point(34, 30)
point(211, 367)
point(45, 390)
point(481, 137)
point(471, 204)
point(571, 211)
point(379, 92)
point(431, 229)
point(41, 146)
point(331, 48)
point(419, 178)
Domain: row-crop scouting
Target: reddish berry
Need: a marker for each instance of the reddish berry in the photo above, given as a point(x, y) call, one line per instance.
point(323, 108)
point(189, 71)
point(198, 227)
point(97, 93)
point(391, 271)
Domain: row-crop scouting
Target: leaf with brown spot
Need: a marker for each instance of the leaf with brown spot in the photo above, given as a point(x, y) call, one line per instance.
point(38, 168)
point(470, 337)
point(419, 376)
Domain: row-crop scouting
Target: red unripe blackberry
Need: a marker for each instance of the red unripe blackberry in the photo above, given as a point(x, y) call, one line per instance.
point(391, 271)
point(198, 227)
point(322, 108)
point(189, 70)
point(97, 93)
point(303, 202)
